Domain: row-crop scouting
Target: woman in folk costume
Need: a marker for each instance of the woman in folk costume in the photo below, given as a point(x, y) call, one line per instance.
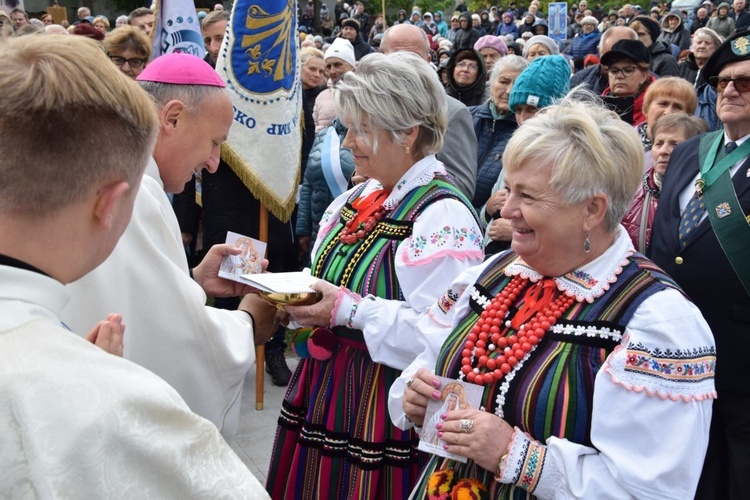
point(384, 252)
point(593, 361)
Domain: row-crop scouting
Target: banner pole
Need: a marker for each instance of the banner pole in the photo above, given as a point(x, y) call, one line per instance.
point(260, 351)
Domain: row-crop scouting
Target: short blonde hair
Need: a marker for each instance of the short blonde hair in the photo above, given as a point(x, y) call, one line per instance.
point(69, 124)
point(128, 37)
point(578, 139)
point(383, 93)
point(308, 53)
point(104, 21)
point(674, 87)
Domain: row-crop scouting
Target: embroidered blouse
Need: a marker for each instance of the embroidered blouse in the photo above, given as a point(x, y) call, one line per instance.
point(654, 386)
point(445, 241)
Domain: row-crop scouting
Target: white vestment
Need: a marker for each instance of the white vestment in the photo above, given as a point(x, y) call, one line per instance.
point(203, 352)
point(76, 422)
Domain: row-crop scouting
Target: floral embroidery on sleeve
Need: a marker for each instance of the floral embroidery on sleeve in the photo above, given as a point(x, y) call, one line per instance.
point(460, 242)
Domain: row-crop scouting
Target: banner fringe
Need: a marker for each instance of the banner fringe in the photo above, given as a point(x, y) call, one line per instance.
point(281, 209)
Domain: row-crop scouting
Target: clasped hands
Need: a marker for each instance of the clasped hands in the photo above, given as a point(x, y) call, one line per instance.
point(486, 439)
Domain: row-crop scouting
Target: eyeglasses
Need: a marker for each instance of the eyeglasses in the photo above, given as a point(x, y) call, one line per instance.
point(468, 65)
point(626, 71)
point(133, 63)
point(741, 84)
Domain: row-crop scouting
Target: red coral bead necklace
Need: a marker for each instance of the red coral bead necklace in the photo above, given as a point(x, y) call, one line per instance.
point(489, 343)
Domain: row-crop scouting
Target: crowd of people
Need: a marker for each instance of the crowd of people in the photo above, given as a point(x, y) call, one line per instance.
point(483, 202)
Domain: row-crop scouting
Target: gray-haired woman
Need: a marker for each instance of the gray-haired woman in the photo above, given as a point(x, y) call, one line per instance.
point(494, 123)
point(384, 250)
point(587, 353)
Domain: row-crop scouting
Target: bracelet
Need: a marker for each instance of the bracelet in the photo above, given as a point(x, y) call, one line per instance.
point(500, 467)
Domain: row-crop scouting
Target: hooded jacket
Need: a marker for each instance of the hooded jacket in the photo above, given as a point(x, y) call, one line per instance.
point(442, 26)
point(540, 22)
point(680, 36)
point(466, 37)
point(470, 95)
point(722, 24)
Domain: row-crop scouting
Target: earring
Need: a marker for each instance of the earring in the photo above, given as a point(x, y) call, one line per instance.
point(408, 151)
point(587, 242)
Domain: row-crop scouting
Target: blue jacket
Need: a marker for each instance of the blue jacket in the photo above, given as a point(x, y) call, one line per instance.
point(492, 137)
point(314, 195)
point(583, 45)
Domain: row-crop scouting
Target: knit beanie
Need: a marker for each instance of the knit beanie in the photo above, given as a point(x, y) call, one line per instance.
point(342, 49)
point(544, 80)
point(491, 42)
point(352, 23)
point(544, 40)
point(652, 26)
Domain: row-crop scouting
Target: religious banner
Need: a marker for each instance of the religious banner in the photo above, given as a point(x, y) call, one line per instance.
point(558, 21)
point(177, 28)
point(259, 62)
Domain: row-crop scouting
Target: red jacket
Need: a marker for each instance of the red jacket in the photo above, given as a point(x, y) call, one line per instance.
point(640, 216)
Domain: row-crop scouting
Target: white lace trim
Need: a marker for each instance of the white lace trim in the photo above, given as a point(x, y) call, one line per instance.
point(420, 174)
point(588, 331)
point(590, 281)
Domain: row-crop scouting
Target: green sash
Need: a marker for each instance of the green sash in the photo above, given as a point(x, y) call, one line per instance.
point(722, 206)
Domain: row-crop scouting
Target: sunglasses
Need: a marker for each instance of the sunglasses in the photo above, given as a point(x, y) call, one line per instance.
point(742, 83)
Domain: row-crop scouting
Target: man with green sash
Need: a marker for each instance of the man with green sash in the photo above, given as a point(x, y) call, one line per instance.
point(701, 237)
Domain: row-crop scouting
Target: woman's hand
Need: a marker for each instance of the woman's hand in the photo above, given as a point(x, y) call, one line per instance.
point(485, 442)
point(318, 314)
point(500, 230)
point(419, 390)
point(108, 334)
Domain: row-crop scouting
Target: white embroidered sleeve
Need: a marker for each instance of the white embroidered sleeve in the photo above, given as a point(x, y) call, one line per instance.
point(643, 414)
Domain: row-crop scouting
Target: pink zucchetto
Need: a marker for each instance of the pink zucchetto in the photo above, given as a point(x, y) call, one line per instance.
point(181, 69)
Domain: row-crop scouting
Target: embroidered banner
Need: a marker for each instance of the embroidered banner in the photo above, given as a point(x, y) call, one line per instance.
point(259, 62)
point(177, 28)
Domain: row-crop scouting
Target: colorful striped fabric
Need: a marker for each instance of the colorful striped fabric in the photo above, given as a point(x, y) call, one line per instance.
point(335, 439)
point(551, 393)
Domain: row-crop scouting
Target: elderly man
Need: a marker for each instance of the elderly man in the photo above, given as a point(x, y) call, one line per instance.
point(701, 238)
point(595, 77)
point(76, 421)
point(740, 15)
point(228, 205)
point(143, 19)
point(201, 351)
point(459, 144)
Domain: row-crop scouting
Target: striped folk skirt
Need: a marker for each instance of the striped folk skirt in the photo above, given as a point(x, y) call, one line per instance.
point(335, 439)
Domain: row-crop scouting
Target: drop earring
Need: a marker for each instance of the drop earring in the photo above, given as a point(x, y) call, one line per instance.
point(408, 151)
point(587, 242)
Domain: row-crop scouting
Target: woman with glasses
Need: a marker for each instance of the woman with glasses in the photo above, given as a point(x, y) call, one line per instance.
point(129, 49)
point(467, 76)
point(628, 71)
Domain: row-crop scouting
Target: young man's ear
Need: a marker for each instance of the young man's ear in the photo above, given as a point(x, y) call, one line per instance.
point(109, 200)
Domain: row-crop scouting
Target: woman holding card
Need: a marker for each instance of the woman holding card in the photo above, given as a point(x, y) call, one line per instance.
point(592, 361)
point(384, 252)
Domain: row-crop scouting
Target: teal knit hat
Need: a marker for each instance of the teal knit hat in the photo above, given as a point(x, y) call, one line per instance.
point(547, 78)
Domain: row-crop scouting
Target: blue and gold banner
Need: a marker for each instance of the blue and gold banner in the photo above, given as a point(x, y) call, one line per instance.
point(177, 28)
point(259, 62)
